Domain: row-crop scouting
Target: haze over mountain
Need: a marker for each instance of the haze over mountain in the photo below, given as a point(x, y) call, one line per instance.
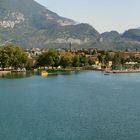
point(30, 24)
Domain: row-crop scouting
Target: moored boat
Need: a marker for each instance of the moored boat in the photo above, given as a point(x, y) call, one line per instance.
point(44, 73)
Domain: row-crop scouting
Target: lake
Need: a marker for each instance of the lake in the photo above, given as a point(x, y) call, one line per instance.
point(86, 105)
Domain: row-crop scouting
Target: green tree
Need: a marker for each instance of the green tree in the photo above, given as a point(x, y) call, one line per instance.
point(66, 60)
point(49, 58)
point(4, 58)
point(101, 58)
point(84, 60)
point(117, 61)
point(52, 58)
point(12, 56)
point(76, 61)
point(41, 61)
point(19, 58)
point(91, 61)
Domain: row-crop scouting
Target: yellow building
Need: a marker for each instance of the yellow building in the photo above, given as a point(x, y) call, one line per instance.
point(97, 63)
point(110, 64)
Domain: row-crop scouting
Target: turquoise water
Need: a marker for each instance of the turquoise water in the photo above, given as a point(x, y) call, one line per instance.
point(77, 106)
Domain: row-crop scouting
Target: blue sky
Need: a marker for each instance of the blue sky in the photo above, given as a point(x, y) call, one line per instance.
point(104, 15)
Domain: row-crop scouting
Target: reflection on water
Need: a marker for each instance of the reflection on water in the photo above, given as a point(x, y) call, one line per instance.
point(57, 73)
point(16, 75)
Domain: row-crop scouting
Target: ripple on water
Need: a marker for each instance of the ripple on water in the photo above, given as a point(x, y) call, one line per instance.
point(83, 106)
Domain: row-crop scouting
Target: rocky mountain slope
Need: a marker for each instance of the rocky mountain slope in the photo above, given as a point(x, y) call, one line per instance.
point(30, 24)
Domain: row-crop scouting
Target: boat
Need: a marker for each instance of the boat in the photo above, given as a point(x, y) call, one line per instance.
point(44, 73)
point(106, 74)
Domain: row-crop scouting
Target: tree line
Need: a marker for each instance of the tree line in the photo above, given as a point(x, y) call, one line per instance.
point(14, 57)
point(54, 59)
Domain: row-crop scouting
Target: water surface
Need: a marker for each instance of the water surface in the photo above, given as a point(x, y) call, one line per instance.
point(76, 106)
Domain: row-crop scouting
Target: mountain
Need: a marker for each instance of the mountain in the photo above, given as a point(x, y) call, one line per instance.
point(116, 41)
point(30, 24)
point(110, 35)
point(133, 34)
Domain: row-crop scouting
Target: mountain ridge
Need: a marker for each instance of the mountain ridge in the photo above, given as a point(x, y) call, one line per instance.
point(30, 24)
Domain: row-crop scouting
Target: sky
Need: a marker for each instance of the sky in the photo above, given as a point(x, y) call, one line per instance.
point(104, 15)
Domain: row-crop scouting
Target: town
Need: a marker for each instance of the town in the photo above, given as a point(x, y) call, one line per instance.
point(15, 58)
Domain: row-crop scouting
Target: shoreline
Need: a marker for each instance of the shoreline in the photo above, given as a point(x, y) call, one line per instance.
point(5, 72)
point(75, 69)
point(122, 71)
